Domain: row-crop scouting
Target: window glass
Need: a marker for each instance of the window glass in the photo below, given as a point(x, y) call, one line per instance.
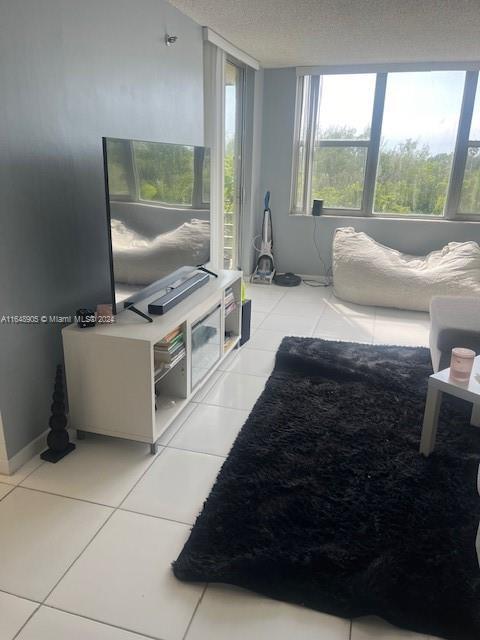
point(345, 106)
point(419, 131)
point(475, 127)
point(470, 197)
point(338, 175)
point(233, 134)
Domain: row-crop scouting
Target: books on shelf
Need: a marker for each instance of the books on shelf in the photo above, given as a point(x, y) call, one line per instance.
point(231, 307)
point(230, 304)
point(229, 342)
point(229, 297)
point(170, 336)
point(170, 350)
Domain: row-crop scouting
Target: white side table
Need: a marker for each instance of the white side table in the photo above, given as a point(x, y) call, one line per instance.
point(440, 383)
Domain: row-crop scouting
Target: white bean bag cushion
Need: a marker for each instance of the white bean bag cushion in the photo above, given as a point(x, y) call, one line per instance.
point(366, 272)
point(139, 260)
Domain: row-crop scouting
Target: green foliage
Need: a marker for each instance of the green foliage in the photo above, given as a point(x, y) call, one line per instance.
point(470, 200)
point(173, 182)
point(410, 179)
point(229, 177)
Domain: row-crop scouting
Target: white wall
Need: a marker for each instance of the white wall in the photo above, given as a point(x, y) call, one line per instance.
point(294, 248)
point(72, 71)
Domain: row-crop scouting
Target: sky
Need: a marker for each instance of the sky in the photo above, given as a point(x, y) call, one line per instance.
point(424, 106)
point(421, 105)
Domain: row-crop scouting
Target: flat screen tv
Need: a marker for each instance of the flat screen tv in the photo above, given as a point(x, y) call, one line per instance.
point(158, 214)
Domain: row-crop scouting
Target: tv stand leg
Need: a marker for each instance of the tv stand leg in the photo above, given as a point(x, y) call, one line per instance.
point(154, 449)
point(200, 267)
point(130, 307)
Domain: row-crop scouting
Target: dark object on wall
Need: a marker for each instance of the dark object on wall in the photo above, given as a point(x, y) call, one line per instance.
point(325, 501)
point(85, 318)
point(58, 439)
point(246, 321)
point(287, 279)
point(317, 208)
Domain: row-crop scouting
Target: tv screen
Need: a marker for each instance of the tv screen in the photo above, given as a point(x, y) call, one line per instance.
point(158, 210)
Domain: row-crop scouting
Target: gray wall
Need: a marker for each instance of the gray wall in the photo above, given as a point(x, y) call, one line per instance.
point(294, 247)
point(252, 154)
point(70, 72)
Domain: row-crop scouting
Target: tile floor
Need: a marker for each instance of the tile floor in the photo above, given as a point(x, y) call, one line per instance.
point(86, 545)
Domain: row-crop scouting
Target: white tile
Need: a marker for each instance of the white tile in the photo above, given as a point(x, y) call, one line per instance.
point(401, 315)
point(351, 328)
point(4, 489)
point(210, 429)
point(23, 472)
point(309, 308)
point(256, 319)
point(373, 628)
point(201, 393)
point(308, 293)
point(404, 333)
point(340, 307)
point(253, 362)
point(294, 325)
point(257, 291)
point(101, 469)
point(176, 486)
point(225, 364)
point(176, 424)
point(236, 391)
point(266, 340)
point(124, 578)
point(264, 300)
point(227, 612)
point(51, 624)
point(14, 612)
point(40, 536)
point(264, 305)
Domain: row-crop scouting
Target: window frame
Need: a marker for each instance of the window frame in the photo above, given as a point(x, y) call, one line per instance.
point(460, 153)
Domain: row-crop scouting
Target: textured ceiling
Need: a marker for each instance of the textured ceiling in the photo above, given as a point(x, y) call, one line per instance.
point(280, 33)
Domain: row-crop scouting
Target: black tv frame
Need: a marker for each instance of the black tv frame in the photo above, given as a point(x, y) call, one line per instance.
point(163, 283)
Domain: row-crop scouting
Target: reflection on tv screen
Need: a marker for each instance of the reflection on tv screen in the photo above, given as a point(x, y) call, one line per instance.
point(159, 198)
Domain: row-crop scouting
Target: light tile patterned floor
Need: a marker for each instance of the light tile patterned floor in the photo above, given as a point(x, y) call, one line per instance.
point(86, 545)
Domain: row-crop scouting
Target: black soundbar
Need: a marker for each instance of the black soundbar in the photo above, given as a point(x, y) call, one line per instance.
point(174, 296)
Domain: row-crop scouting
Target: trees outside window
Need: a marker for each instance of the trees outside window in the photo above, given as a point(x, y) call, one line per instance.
point(387, 143)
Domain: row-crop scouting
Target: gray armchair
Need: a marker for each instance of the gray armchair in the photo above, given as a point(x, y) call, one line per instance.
point(455, 322)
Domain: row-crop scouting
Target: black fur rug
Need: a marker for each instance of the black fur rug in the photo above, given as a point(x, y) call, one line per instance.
point(325, 501)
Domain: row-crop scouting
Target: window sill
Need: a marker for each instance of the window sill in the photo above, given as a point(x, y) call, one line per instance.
point(473, 219)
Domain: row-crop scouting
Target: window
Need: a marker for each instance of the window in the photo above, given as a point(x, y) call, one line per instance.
point(470, 195)
point(388, 143)
point(419, 129)
point(233, 138)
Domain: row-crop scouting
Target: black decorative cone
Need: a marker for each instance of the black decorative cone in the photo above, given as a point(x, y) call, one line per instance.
point(58, 439)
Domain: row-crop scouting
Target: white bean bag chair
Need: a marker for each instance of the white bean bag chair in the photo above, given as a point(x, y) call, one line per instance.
point(366, 272)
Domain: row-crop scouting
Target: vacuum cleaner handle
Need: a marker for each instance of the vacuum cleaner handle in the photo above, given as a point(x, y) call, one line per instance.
point(267, 200)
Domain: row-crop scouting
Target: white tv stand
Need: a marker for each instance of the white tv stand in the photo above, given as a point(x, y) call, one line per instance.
point(110, 368)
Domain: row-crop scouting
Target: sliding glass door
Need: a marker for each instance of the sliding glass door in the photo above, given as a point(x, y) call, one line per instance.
point(234, 79)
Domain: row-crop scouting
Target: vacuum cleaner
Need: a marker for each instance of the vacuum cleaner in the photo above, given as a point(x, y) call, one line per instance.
point(265, 269)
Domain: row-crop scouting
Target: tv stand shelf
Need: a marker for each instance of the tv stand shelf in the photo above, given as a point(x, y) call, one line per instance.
point(110, 369)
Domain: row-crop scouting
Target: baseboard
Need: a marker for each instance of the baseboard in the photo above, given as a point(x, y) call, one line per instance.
point(327, 280)
point(4, 467)
point(33, 448)
point(3, 451)
point(9, 466)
